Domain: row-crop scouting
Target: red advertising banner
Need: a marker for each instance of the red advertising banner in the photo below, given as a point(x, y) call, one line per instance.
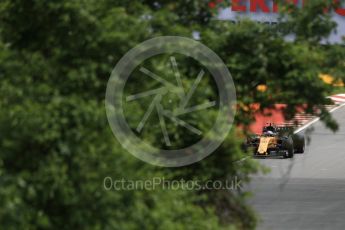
point(267, 11)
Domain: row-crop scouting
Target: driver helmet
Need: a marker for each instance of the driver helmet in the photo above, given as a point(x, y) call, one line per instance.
point(269, 132)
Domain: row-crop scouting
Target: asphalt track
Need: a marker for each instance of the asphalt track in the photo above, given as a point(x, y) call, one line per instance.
point(308, 191)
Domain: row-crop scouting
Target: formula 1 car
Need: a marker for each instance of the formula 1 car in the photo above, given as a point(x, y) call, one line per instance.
point(276, 141)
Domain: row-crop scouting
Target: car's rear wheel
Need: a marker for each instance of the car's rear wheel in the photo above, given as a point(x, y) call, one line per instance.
point(299, 143)
point(302, 149)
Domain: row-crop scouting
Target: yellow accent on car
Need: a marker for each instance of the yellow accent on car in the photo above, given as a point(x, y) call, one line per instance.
point(264, 143)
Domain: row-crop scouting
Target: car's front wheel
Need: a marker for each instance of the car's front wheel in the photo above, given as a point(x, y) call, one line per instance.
point(288, 145)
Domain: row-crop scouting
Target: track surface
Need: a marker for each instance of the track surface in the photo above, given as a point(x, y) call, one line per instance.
point(308, 191)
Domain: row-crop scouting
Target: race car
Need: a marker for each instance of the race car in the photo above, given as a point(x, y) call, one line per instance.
point(276, 141)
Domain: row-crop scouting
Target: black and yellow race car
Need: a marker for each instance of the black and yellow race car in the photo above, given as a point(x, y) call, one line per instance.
point(276, 141)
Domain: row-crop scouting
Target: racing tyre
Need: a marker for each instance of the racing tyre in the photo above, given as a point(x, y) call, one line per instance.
point(299, 143)
point(288, 145)
point(301, 150)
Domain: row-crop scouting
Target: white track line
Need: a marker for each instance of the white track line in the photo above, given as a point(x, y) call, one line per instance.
point(336, 99)
point(317, 119)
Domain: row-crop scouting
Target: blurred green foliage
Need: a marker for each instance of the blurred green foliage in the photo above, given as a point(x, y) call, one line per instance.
point(56, 147)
